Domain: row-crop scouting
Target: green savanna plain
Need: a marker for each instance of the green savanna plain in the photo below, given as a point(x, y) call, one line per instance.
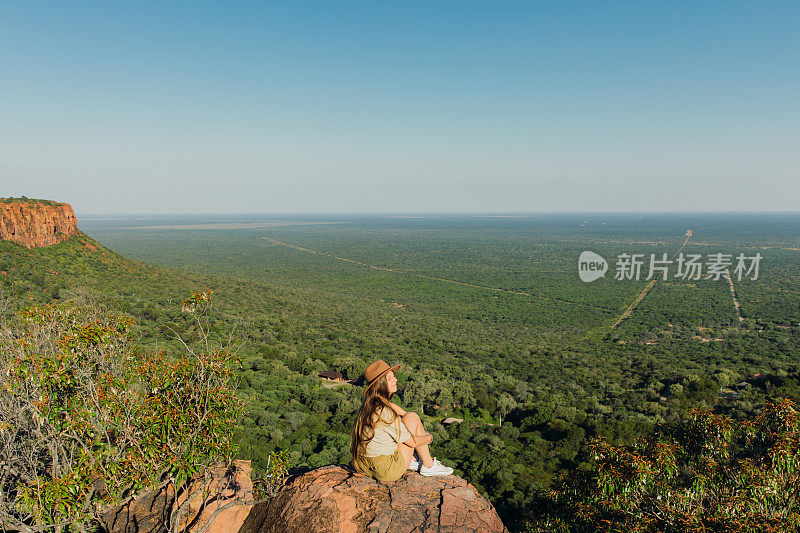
point(487, 315)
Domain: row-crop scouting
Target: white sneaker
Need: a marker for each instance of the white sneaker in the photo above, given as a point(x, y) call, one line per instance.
point(413, 465)
point(436, 469)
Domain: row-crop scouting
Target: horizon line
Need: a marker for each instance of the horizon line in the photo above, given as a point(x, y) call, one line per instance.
point(434, 213)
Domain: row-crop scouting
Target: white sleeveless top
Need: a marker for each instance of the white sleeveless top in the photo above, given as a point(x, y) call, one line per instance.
point(387, 435)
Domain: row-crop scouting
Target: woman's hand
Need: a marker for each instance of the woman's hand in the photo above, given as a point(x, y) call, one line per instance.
point(427, 438)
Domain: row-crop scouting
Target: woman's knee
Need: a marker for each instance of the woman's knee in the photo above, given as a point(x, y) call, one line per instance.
point(411, 415)
point(411, 420)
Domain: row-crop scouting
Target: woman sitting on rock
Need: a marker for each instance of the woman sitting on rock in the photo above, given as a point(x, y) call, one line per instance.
point(385, 437)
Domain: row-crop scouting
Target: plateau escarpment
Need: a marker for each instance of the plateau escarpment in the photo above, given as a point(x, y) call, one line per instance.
point(34, 223)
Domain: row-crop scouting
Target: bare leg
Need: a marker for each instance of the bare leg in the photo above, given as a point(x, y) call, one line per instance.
point(408, 453)
point(414, 425)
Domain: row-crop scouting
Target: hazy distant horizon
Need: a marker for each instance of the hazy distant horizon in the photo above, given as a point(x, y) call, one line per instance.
point(488, 214)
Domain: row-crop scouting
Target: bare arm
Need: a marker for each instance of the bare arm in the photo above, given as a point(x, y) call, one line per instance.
point(415, 441)
point(418, 435)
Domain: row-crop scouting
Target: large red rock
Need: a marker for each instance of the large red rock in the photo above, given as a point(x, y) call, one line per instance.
point(337, 500)
point(33, 224)
point(208, 499)
point(195, 508)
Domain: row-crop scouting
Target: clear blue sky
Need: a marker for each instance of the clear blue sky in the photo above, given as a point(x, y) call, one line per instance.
point(400, 106)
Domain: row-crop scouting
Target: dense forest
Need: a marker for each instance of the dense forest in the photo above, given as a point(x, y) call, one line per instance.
point(488, 318)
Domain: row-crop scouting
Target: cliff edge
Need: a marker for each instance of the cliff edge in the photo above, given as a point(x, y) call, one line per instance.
point(330, 499)
point(333, 499)
point(34, 223)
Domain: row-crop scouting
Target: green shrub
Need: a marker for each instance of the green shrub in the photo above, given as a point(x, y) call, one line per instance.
point(706, 473)
point(85, 416)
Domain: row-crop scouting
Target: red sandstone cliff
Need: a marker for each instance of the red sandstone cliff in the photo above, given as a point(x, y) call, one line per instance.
point(31, 223)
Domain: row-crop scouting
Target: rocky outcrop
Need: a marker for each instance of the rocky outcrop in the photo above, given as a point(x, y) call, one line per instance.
point(33, 223)
point(216, 502)
point(335, 499)
point(219, 503)
point(146, 513)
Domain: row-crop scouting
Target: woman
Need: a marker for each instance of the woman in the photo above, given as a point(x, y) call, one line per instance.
point(385, 437)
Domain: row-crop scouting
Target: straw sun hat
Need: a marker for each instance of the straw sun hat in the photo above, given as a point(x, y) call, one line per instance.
point(374, 372)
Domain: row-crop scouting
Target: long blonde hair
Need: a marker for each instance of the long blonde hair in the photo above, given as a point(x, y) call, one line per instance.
point(377, 399)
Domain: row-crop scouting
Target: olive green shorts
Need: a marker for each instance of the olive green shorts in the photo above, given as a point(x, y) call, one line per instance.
point(384, 467)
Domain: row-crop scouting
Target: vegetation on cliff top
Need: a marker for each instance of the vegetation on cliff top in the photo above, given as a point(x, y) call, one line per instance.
point(25, 199)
